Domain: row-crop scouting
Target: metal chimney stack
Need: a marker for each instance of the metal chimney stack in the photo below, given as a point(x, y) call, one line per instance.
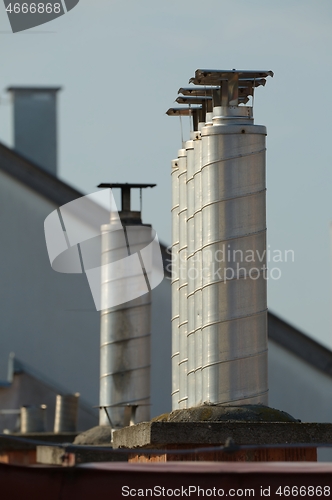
point(227, 317)
point(126, 328)
point(181, 323)
point(35, 124)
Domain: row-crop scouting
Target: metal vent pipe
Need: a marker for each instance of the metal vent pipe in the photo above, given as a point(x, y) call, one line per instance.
point(126, 328)
point(198, 116)
point(175, 283)
point(196, 95)
point(198, 270)
point(179, 270)
point(234, 325)
point(183, 281)
point(190, 379)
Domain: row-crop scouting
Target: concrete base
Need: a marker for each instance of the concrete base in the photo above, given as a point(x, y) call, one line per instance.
point(179, 431)
point(98, 437)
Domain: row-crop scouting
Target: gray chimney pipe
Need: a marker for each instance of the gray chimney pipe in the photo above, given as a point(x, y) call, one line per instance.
point(125, 330)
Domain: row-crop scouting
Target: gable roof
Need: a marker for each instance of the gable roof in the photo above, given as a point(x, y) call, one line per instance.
point(35, 177)
point(17, 366)
point(44, 183)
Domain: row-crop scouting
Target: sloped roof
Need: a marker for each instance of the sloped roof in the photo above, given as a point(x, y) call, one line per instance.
point(35, 177)
point(300, 344)
point(17, 366)
point(44, 183)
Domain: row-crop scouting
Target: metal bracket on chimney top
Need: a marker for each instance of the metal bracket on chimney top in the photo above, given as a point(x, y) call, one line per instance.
point(182, 111)
point(195, 112)
point(129, 415)
point(129, 412)
point(198, 91)
point(126, 193)
point(245, 87)
point(205, 101)
point(231, 82)
point(214, 93)
point(215, 76)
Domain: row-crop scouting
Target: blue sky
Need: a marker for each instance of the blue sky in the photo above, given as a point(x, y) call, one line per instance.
point(121, 63)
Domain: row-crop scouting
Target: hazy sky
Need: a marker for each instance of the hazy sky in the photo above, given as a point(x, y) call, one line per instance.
point(121, 63)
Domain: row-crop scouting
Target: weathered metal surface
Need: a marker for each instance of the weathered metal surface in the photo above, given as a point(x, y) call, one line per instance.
point(125, 335)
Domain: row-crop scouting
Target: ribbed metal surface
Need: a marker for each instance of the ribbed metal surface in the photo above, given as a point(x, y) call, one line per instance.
point(66, 413)
point(175, 284)
point(224, 243)
point(190, 193)
point(33, 418)
point(125, 334)
point(183, 281)
point(234, 354)
point(198, 268)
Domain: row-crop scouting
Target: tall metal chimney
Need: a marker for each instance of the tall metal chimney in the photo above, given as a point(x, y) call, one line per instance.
point(179, 265)
point(35, 124)
point(230, 306)
point(126, 328)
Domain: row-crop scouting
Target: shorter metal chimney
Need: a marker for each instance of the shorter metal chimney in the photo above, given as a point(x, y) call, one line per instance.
point(35, 128)
point(33, 419)
point(66, 413)
point(126, 328)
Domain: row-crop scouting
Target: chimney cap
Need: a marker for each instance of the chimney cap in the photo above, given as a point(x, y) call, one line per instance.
point(127, 215)
point(125, 185)
point(192, 99)
point(198, 91)
point(214, 76)
point(245, 88)
point(182, 111)
point(14, 88)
